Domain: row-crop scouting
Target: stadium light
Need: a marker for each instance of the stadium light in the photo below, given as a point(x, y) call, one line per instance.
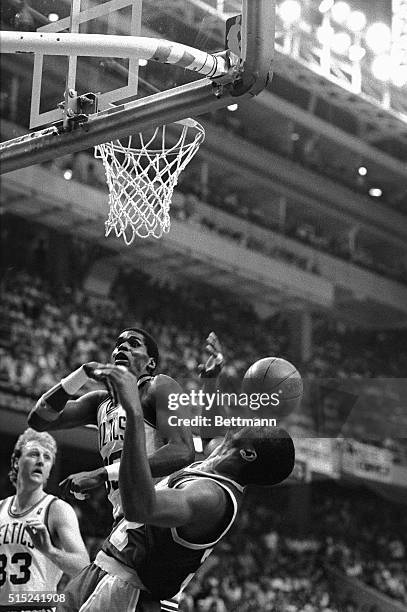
point(382, 67)
point(326, 6)
point(68, 174)
point(362, 171)
point(142, 62)
point(340, 12)
point(341, 42)
point(324, 34)
point(290, 11)
point(399, 76)
point(378, 38)
point(375, 192)
point(52, 17)
point(356, 53)
point(356, 21)
point(232, 107)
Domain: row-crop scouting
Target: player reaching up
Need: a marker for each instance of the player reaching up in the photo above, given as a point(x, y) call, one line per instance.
point(169, 529)
point(39, 533)
point(168, 448)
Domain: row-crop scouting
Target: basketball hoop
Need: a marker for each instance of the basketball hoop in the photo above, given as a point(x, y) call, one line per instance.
point(141, 176)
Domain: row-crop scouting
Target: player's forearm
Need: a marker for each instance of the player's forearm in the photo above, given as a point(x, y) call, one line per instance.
point(70, 563)
point(49, 407)
point(135, 480)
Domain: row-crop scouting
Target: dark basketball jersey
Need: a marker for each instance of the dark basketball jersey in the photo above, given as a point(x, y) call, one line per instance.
point(111, 421)
point(163, 560)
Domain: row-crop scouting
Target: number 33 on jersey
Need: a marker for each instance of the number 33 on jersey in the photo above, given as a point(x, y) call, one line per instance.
point(23, 567)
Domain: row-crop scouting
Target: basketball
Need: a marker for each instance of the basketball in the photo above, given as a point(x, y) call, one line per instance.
point(273, 375)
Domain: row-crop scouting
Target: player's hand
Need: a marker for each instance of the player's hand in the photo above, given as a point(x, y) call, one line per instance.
point(123, 384)
point(79, 484)
point(39, 535)
point(214, 364)
point(92, 369)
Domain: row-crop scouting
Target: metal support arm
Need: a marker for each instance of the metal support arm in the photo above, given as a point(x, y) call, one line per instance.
point(192, 99)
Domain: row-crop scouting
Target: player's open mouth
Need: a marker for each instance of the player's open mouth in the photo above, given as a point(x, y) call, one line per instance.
point(121, 359)
point(38, 471)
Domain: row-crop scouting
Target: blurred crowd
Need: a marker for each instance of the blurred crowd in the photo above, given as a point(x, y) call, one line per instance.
point(48, 330)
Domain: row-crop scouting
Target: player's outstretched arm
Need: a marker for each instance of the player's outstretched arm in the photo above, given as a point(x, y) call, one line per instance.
point(56, 409)
point(69, 552)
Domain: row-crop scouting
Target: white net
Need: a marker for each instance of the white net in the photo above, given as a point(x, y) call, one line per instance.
point(141, 176)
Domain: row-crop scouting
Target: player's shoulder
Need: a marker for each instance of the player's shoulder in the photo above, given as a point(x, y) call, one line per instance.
point(162, 382)
point(205, 493)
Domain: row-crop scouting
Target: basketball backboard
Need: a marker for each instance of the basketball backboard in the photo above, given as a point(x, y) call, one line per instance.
point(62, 50)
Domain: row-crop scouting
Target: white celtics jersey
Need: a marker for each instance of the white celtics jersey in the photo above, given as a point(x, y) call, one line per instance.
point(111, 420)
point(24, 568)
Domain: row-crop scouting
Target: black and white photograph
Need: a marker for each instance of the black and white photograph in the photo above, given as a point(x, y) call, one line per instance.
point(203, 337)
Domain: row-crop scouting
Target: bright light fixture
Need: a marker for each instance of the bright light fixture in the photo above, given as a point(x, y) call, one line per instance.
point(356, 21)
point(375, 192)
point(68, 174)
point(324, 34)
point(290, 11)
point(341, 42)
point(340, 12)
point(378, 37)
point(232, 107)
point(356, 53)
point(142, 62)
point(382, 67)
point(53, 17)
point(326, 6)
point(399, 76)
point(362, 171)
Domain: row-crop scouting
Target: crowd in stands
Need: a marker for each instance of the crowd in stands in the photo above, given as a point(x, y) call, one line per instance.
point(48, 330)
point(187, 207)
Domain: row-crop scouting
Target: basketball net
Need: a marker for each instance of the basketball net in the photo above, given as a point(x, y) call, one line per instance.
point(141, 175)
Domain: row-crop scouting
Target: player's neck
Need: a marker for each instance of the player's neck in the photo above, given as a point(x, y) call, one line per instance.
point(25, 497)
point(209, 466)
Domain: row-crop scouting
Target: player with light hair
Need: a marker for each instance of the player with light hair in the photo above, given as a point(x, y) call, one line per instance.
point(39, 533)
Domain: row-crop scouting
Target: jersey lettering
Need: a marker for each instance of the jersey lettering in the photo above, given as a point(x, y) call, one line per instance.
point(23, 567)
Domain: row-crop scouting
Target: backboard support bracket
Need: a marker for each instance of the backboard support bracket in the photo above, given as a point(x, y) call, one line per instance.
point(195, 98)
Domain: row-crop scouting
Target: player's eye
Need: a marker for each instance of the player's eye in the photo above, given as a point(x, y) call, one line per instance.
point(134, 342)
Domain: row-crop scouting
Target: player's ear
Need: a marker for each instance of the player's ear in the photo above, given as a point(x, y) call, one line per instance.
point(248, 454)
point(151, 365)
